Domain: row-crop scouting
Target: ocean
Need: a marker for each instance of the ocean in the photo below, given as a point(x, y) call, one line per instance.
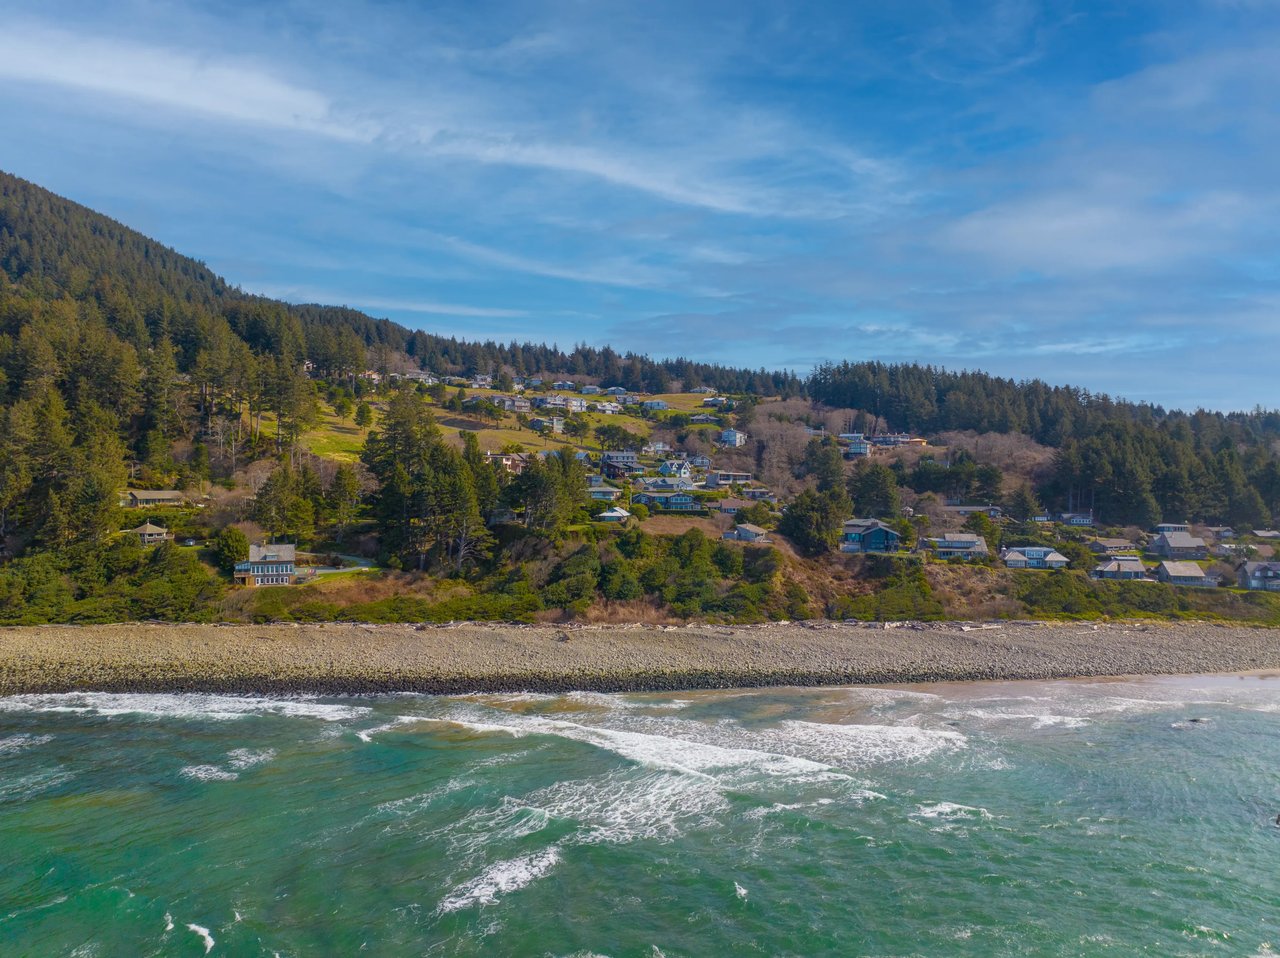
point(1125, 817)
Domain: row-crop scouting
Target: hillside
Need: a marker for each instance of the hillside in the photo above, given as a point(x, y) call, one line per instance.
point(125, 365)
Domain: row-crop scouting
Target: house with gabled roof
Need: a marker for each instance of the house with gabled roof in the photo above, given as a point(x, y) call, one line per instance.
point(1264, 576)
point(868, 535)
point(1184, 573)
point(1179, 545)
point(150, 534)
point(267, 565)
point(958, 545)
point(1120, 567)
point(1033, 557)
point(746, 532)
point(667, 501)
point(151, 498)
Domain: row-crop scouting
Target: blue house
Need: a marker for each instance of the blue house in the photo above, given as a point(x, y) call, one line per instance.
point(667, 501)
point(868, 535)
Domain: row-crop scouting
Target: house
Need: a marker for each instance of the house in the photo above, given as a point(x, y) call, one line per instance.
point(1260, 575)
point(575, 404)
point(722, 477)
point(551, 402)
point(603, 493)
point(667, 484)
point(856, 445)
point(746, 532)
point(614, 514)
point(1266, 533)
point(1103, 546)
point(868, 535)
point(733, 438)
point(700, 462)
point(657, 448)
point(731, 506)
point(1033, 557)
point(620, 470)
point(267, 565)
point(622, 457)
point(667, 501)
point(612, 408)
point(959, 545)
point(150, 534)
point(590, 390)
point(759, 494)
point(553, 424)
point(150, 498)
point(716, 401)
point(482, 382)
point(615, 391)
point(1120, 567)
point(654, 405)
point(513, 403)
point(1184, 573)
point(703, 419)
point(563, 384)
point(1076, 518)
point(1164, 527)
point(1179, 545)
point(1222, 532)
point(891, 439)
point(990, 511)
point(676, 467)
point(512, 462)
point(703, 390)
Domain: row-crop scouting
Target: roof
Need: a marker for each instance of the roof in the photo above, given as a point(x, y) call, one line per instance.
point(284, 552)
point(617, 511)
point(1253, 568)
point(1182, 540)
point(1183, 570)
point(154, 493)
point(753, 529)
point(868, 524)
point(1121, 564)
point(149, 529)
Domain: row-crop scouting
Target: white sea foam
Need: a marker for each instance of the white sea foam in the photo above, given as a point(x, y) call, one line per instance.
point(856, 746)
point(25, 786)
point(242, 758)
point(209, 773)
point(1037, 720)
point(16, 743)
point(951, 811)
point(204, 936)
point(181, 706)
point(623, 807)
point(501, 878)
point(740, 891)
point(366, 735)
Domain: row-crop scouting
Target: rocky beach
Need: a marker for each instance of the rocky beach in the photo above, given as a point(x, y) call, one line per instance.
point(475, 657)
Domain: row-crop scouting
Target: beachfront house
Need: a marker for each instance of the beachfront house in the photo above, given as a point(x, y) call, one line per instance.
point(1260, 575)
point(746, 532)
point(151, 498)
point(1184, 573)
point(868, 535)
point(150, 534)
point(1179, 545)
point(267, 565)
point(720, 478)
point(667, 501)
point(1123, 568)
point(1033, 557)
point(958, 545)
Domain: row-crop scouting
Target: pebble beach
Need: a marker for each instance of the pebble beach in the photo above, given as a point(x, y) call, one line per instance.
point(495, 657)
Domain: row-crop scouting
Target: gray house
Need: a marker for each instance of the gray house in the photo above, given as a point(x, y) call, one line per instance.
point(1260, 575)
point(1184, 573)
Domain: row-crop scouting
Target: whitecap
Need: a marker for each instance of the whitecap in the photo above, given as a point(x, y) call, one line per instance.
point(26, 786)
point(204, 936)
point(624, 807)
point(187, 705)
point(242, 758)
point(209, 773)
point(501, 878)
point(16, 743)
point(740, 891)
point(951, 811)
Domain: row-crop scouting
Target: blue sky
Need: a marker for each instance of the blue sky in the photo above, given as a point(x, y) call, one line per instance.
point(1080, 192)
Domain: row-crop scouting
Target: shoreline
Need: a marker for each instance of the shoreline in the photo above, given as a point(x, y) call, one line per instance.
point(328, 658)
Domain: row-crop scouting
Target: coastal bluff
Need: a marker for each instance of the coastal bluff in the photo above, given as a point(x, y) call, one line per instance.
point(353, 658)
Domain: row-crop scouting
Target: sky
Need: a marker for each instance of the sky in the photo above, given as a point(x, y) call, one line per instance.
point(1080, 192)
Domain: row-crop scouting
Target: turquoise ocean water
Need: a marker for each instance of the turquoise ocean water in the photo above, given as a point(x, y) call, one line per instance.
point(1063, 818)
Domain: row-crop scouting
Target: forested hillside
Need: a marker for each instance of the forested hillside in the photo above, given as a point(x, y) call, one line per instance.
point(125, 364)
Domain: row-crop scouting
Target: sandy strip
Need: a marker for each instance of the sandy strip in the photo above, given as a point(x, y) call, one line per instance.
point(495, 657)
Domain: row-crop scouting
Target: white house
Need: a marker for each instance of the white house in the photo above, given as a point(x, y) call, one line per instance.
point(1033, 557)
point(733, 437)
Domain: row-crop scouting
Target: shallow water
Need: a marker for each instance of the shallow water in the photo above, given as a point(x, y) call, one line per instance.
point(1081, 818)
